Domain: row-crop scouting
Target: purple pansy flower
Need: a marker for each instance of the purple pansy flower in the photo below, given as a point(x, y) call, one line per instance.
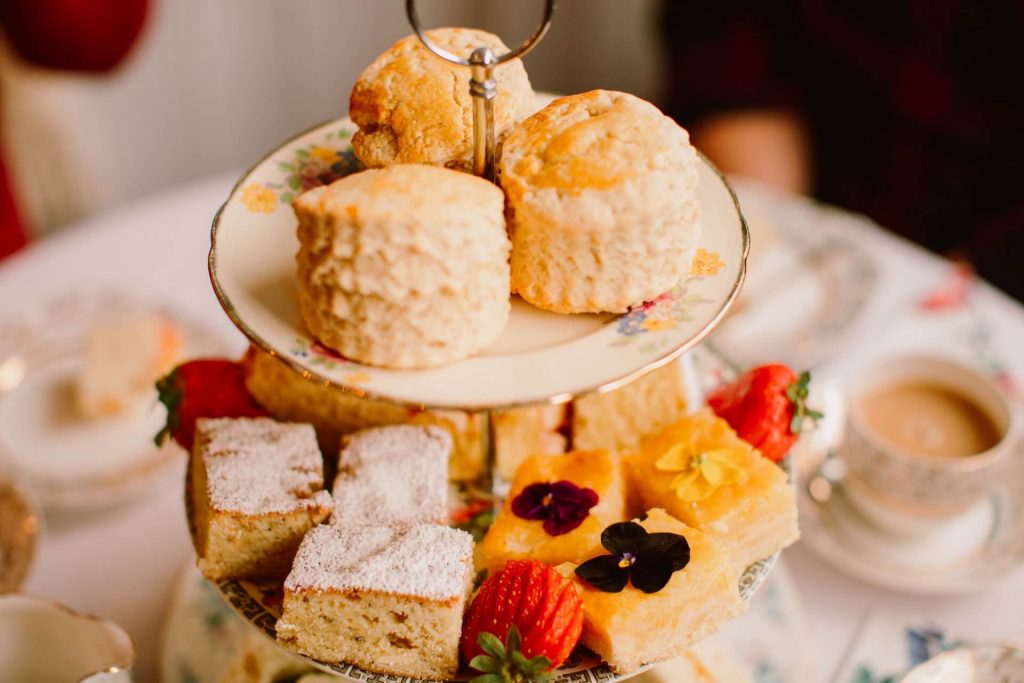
point(562, 505)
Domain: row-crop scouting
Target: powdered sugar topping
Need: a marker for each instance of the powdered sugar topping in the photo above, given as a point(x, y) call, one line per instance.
point(428, 561)
point(393, 475)
point(258, 465)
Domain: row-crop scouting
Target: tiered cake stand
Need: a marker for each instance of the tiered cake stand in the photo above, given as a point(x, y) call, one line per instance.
point(541, 358)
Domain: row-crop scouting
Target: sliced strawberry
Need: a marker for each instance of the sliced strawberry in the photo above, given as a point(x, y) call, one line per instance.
point(542, 605)
point(203, 388)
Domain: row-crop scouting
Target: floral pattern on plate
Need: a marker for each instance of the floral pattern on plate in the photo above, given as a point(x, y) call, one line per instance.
point(310, 166)
point(202, 634)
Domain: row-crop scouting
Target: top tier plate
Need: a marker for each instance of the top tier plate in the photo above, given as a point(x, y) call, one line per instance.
point(541, 357)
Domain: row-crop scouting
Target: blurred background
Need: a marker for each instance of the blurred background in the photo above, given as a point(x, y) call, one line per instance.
point(908, 112)
point(212, 86)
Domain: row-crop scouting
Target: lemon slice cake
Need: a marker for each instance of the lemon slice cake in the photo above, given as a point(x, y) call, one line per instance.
point(258, 487)
point(548, 535)
point(631, 628)
point(385, 599)
point(701, 472)
point(393, 475)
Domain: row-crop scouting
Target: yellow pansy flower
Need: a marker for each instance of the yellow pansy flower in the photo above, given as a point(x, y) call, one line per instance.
point(702, 469)
point(706, 263)
point(259, 198)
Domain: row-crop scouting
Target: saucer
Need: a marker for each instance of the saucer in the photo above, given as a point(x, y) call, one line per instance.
point(965, 554)
point(71, 463)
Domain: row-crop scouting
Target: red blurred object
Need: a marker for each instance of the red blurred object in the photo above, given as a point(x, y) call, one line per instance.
point(70, 35)
point(203, 388)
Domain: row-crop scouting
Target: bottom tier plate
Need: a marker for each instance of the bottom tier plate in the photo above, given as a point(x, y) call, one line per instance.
point(260, 604)
point(202, 635)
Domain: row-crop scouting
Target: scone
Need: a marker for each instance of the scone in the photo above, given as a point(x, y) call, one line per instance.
point(404, 267)
point(631, 628)
point(413, 107)
point(123, 358)
point(393, 475)
point(619, 419)
point(513, 537)
point(287, 395)
point(257, 488)
point(602, 195)
point(522, 432)
point(751, 511)
point(387, 600)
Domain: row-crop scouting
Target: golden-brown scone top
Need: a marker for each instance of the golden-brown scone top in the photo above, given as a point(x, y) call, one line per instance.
point(602, 203)
point(413, 107)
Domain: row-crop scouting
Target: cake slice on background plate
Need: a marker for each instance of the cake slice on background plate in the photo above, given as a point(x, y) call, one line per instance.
point(123, 358)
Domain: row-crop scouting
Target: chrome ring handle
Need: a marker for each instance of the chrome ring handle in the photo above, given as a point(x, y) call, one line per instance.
point(482, 85)
point(521, 51)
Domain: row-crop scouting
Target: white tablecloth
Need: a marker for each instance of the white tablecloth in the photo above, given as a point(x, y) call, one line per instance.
point(120, 563)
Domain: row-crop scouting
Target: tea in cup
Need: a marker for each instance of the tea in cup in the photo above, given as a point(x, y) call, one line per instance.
point(927, 439)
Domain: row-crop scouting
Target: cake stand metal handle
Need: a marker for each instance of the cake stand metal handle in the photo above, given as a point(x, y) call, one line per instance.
point(482, 85)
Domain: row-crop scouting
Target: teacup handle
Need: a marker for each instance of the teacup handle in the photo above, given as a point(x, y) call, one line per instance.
point(482, 85)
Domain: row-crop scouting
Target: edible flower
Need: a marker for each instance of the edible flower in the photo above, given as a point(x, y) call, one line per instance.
point(562, 505)
point(645, 560)
point(700, 472)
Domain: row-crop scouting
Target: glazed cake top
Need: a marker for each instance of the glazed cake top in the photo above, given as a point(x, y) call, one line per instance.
point(427, 561)
point(260, 466)
point(393, 475)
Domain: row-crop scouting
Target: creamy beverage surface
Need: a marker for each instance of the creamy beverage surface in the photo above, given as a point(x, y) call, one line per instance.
point(929, 419)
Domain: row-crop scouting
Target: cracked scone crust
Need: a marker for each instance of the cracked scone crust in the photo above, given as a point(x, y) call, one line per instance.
point(603, 209)
point(413, 107)
point(404, 267)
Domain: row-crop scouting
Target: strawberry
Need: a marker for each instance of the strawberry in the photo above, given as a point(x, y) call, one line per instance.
point(537, 609)
point(766, 406)
point(203, 388)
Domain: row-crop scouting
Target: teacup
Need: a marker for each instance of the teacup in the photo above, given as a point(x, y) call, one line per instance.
point(927, 439)
point(42, 641)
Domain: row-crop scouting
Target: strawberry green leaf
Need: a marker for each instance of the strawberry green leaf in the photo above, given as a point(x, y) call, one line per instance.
point(490, 644)
point(485, 664)
point(513, 641)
